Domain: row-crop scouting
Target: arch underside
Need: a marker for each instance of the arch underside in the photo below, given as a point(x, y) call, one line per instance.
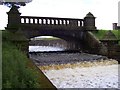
point(73, 37)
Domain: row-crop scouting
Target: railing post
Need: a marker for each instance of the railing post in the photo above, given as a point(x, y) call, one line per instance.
point(42, 21)
point(14, 18)
point(58, 22)
point(37, 21)
point(28, 20)
point(33, 20)
point(47, 21)
point(50, 21)
point(73, 23)
point(81, 23)
point(24, 20)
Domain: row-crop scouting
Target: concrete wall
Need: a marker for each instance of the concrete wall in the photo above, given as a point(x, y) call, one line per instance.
point(93, 45)
point(98, 47)
point(113, 51)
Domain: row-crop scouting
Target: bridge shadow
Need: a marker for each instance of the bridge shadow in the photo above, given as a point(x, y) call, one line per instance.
point(53, 44)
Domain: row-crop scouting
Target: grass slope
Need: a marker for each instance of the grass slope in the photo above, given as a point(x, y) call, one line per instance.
point(100, 33)
point(17, 70)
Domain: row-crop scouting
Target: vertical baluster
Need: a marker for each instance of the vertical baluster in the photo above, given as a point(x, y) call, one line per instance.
point(58, 22)
point(62, 22)
point(41, 21)
point(33, 20)
point(50, 21)
point(29, 20)
point(53, 21)
point(47, 21)
point(24, 20)
point(80, 23)
point(44, 21)
point(37, 20)
point(68, 22)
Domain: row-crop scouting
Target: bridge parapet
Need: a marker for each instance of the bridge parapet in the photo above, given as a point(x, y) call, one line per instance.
point(52, 21)
point(15, 22)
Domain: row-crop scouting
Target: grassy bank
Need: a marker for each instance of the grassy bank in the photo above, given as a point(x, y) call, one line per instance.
point(17, 70)
point(15, 73)
point(100, 34)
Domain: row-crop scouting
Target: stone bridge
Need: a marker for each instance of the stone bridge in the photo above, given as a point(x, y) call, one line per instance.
point(74, 31)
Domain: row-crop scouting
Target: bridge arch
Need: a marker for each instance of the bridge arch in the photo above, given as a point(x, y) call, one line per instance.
point(61, 42)
point(72, 30)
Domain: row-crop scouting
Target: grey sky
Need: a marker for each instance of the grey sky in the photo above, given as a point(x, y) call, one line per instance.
point(106, 11)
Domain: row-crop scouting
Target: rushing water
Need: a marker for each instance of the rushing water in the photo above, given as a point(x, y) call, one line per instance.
point(88, 74)
point(44, 48)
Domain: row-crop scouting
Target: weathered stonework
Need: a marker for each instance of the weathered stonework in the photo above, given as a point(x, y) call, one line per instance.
point(75, 31)
point(70, 29)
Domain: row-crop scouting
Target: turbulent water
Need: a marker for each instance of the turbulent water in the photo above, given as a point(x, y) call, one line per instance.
point(63, 58)
point(77, 70)
point(44, 48)
point(86, 77)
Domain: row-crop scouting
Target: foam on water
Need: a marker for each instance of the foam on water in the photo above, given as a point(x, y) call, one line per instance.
point(101, 76)
point(44, 48)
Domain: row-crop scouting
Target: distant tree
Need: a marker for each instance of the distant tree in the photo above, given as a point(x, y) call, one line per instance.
point(11, 3)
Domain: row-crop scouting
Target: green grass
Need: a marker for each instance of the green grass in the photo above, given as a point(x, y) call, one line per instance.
point(101, 33)
point(16, 74)
point(18, 71)
point(117, 33)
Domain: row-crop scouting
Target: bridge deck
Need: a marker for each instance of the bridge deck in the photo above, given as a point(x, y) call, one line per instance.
point(50, 27)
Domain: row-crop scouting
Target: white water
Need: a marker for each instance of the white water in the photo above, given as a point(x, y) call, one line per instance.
point(89, 77)
point(86, 77)
point(44, 48)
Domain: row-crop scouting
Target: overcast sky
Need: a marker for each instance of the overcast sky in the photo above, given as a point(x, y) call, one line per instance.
point(105, 11)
